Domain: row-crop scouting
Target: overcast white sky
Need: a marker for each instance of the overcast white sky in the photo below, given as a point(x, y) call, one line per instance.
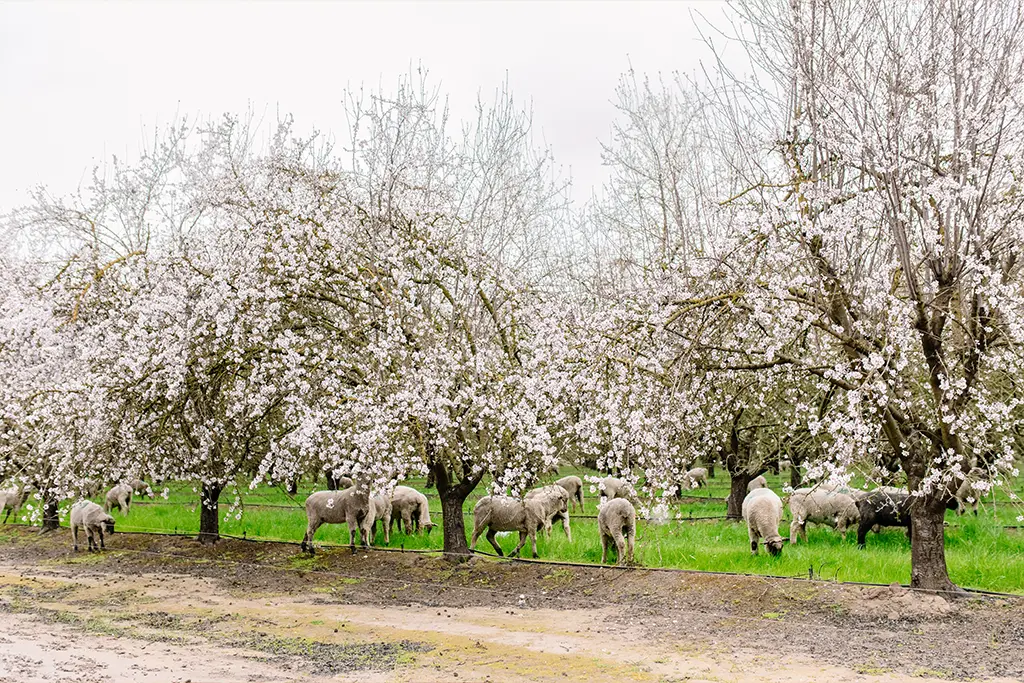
point(82, 81)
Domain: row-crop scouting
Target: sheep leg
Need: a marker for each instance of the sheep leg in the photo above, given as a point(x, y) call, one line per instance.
point(794, 531)
point(307, 540)
point(565, 527)
point(74, 537)
point(522, 541)
point(753, 540)
point(862, 534)
point(620, 549)
point(604, 547)
point(7, 516)
point(494, 542)
point(90, 538)
point(412, 525)
point(630, 542)
point(99, 530)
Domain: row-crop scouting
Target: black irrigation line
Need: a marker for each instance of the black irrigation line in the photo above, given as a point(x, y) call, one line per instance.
point(523, 560)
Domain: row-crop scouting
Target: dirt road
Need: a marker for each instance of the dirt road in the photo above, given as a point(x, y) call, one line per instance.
point(169, 610)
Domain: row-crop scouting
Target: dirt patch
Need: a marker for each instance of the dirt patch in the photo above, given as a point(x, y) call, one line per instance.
point(395, 616)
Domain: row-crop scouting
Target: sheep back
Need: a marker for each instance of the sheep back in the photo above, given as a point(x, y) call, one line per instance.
point(762, 511)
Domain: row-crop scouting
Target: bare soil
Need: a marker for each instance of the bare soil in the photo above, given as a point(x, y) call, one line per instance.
point(167, 609)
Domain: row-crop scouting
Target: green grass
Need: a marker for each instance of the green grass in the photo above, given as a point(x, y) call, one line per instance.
point(980, 553)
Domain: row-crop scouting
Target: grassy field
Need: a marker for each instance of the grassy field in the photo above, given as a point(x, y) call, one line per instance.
point(981, 553)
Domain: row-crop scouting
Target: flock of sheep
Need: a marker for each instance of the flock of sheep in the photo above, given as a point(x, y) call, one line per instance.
point(838, 507)
point(538, 510)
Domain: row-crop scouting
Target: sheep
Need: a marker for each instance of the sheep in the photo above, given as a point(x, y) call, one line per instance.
point(574, 486)
point(381, 508)
point(410, 508)
point(139, 487)
point(90, 488)
point(835, 509)
point(119, 497)
point(351, 506)
point(882, 508)
point(337, 482)
point(616, 522)
point(966, 494)
point(612, 488)
point(87, 515)
point(758, 482)
point(762, 511)
point(555, 500)
point(693, 479)
point(503, 513)
point(11, 500)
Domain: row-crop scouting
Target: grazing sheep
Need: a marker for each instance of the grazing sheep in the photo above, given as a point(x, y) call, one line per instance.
point(351, 506)
point(337, 482)
point(693, 479)
point(11, 500)
point(555, 500)
point(574, 486)
point(758, 482)
point(381, 508)
point(966, 494)
point(87, 515)
point(410, 508)
point(119, 497)
point(612, 488)
point(616, 521)
point(882, 508)
point(90, 488)
point(503, 513)
point(141, 488)
point(762, 511)
point(835, 509)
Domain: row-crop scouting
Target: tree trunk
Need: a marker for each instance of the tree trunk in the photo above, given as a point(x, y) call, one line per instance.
point(51, 515)
point(711, 469)
point(209, 514)
point(795, 479)
point(928, 547)
point(737, 492)
point(455, 545)
point(293, 486)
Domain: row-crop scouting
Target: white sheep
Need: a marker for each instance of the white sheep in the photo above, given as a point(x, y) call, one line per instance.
point(90, 488)
point(612, 488)
point(616, 521)
point(11, 501)
point(835, 509)
point(380, 504)
point(351, 506)
point(758, 482)
point(139, 487)
point(87, 515)
point(693, 479)
point(119, 497)
point(762, 511)
point(966, 494)
point(574, 487)
point(411, 509)
point(555, 500)
point(503, 513)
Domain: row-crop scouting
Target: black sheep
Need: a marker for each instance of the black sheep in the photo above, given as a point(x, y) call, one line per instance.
point(887, 509)
point(883, 509)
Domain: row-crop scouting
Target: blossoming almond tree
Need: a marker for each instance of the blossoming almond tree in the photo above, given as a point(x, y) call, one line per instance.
point(894, 240)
